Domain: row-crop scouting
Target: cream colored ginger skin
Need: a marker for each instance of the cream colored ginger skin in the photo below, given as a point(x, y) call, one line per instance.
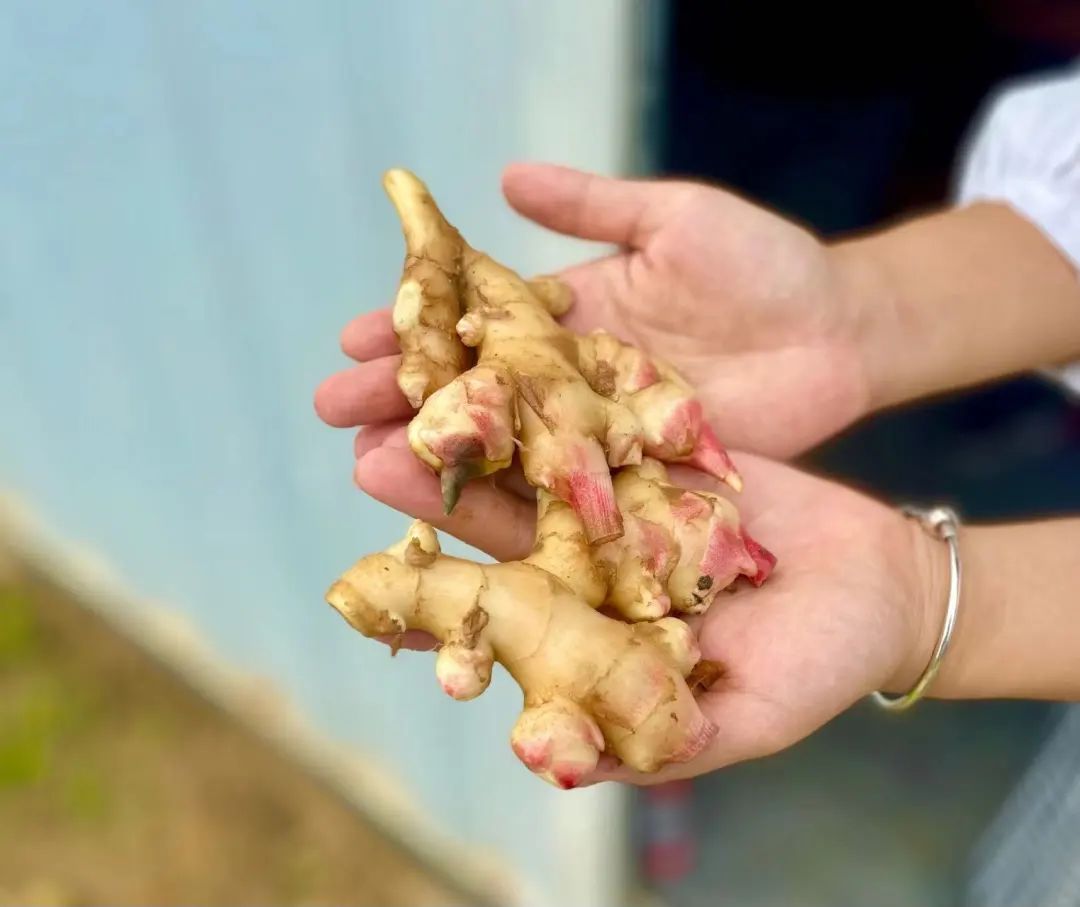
point(590, 684)
point(576, 407)
point(427, 306)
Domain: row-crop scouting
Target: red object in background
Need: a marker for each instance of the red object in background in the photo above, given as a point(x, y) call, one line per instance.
point(670, 844)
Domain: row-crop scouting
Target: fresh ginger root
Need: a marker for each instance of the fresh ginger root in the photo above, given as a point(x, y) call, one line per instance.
point(591, 684)
point(577, 406)
point(583, 623)
point(678, 550)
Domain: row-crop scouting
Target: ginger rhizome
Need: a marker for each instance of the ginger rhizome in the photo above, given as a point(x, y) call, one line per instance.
point(578, 406)
point(585, 624)
point(628, 696)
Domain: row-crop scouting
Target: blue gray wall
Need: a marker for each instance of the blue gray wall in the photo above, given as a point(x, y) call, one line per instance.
point(190, 209)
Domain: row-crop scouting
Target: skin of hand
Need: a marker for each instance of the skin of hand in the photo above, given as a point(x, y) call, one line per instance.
point(855, 604)
point(754, 311)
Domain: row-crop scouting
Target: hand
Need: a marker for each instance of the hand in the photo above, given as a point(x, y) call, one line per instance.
point(855, 604)
point(754, 311)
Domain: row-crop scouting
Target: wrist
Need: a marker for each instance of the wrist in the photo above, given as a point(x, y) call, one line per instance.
point(978, 663)
point(926, 600)
point(1016, 634)
point(871, 296)
point(956, 298)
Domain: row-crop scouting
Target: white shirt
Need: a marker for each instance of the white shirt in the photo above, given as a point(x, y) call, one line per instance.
point(1025, 153)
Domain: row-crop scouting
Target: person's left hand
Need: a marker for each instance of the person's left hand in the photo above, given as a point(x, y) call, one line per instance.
point(854, 604)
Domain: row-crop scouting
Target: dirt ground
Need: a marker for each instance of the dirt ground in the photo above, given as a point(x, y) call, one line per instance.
point(119, 785)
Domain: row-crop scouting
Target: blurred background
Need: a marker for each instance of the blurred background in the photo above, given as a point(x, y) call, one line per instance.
point(189, 211)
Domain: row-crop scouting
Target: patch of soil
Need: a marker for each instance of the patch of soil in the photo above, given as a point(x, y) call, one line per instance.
point(120, 785)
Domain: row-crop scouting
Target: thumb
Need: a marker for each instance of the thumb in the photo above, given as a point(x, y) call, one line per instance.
point(626, 212)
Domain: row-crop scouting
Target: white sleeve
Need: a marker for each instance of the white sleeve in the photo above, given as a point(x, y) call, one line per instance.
point(1025, 153)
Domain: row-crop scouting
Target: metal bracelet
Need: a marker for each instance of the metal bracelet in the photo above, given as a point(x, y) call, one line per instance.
point(944, 524)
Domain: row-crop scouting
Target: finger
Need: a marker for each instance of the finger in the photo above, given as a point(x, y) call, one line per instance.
point(386, 433)
point(588, 205)
point(394, 435)
point(362, 395)
point(369, 336)
point(486, 517)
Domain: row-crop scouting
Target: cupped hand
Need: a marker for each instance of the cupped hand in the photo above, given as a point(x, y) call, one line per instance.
point(853, 606)
point(754, 311)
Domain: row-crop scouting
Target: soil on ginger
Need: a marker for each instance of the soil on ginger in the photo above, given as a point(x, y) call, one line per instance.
point(119, 785)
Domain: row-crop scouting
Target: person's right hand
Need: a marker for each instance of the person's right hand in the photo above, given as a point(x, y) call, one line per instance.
point(753, 310)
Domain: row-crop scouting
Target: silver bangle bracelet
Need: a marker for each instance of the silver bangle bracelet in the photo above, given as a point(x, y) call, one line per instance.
point(944, 524)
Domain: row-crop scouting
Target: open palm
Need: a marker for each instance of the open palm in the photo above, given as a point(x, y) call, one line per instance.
point(848, 611)
point(749, 307)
